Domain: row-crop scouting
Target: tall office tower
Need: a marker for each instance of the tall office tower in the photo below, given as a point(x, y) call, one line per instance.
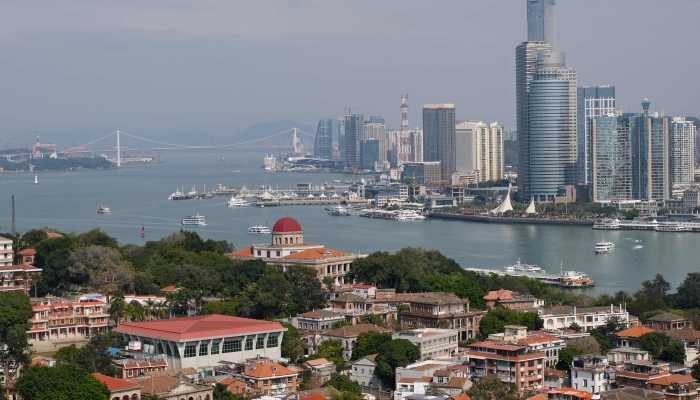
point(682, 151)
point(374, 129)
point(404, 112)
point(351, 140)
point(369, 154)
point(340, 132)
point(540, 21)
point(496, 133)
point(552, 127)
point(591, 102)
point(416, 139)
point(439, 137)
point(323, 141)
point(611, 165)
point(649, 135)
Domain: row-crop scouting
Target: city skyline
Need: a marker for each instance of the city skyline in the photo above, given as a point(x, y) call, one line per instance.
point(116, 72)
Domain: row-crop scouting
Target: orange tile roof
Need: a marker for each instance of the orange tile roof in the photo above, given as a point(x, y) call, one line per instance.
point(246, 251)
point(671, 379)
point(500, 294)
point(170, 289)
point(538, 337)
point(317, 362)
point(234, 385)
point(461, 396)
point(116, 384)
point(268, 369)
point(313, 396)
point(634, 332)
point(320, 253)
point(188, 328)
point(571, 392)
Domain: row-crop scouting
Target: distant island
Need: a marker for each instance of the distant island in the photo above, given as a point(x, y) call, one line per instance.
point(22, 160)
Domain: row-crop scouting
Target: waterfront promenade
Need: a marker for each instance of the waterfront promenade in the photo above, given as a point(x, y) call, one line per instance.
point(512, 220)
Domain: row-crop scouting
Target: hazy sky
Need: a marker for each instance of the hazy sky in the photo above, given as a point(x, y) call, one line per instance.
point(218, 66)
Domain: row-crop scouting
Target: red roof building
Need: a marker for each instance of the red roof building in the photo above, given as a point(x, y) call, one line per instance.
point(119, 389)
point(287, 248)
point(56, 319)
point(203, 342)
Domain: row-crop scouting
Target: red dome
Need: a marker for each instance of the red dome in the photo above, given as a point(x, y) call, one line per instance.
point(286, 225)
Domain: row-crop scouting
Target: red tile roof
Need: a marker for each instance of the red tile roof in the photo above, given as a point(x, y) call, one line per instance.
point(170, 289)
point(319, 253)
point(671, 379)
point(243, 252)
point(188, 328)
point(267, 369)
point(116, 384)
point(571, 392)
point(500, 294)
point(634, 332)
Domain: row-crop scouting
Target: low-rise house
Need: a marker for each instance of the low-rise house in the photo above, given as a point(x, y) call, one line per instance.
point(119, 389)
point(622, 355)
point(317, 320)
point(362, 372)
point(639, 373)
point(25, 256)
point(690, 338)
point(432, 343)
point(132, 368)
point(407, 387)
point(450, 381)
point(567, 393)
point(590, 374)
point(204, 342)
point(554, 378)
point(631, 393)
point(347, 335)
point(423, 369)
point(174, 387)
point(587, 318)
point(675, 387)
point(540, 341)
point(320, 371)
point(17, 277)
point(512, 300)
point(630, 337)
point(511, 363)
point(56, 320)
point(265, 377)
point(665, 321)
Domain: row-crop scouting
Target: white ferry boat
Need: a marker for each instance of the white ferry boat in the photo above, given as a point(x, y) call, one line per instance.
point(338, 211)
point(235, 202)
point(104, 210)
point(604, 247)
point(607, 224)
point(672, 227)
point(177, 195)
point(520, 267)
point(408, 215)
point(194, 220)
point(259, 230)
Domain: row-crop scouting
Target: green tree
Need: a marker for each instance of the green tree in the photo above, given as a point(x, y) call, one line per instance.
point(332, 350)
point(496, 319)
point(62, 382)
point(605, 335)
point(566, 357)
point(491, 388)
point(688, 294)
point(652, 296)
point(52, 255)
point(102, 268)
point(370, 343)
point(224, 307)
point(92, 357)
point(394, 354)
point(116, 308)
point(293, 348)
point(654, 343)
point(96, 237)
point(342, 383)
point(674, 352)
point(695, 371)
point(15, 312)
point(33, 237)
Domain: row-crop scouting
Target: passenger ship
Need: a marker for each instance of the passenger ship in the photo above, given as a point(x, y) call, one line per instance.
point(194, 220)
point(259, 230)
point(604, 247)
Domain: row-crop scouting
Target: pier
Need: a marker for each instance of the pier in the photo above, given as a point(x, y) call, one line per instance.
point(511, 220)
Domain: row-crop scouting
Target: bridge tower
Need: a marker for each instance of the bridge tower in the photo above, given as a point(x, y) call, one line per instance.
point(119, 150)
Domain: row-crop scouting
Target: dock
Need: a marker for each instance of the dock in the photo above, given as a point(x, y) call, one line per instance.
point(305, 202)
point(511, 220)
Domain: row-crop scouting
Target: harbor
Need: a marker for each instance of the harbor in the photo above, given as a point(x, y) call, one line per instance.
point(564, 279)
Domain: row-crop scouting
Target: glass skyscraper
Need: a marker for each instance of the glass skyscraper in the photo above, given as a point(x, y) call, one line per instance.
point(323, 141)
point(439, 137)
point(611, 176)
point(682, 151)
point(591, 102)
point(351, 140)
point(649, 135)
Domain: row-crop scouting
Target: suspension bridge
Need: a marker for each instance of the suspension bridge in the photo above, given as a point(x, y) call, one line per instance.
point(119, 148)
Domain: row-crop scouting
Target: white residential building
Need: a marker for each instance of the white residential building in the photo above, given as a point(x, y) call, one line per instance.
point(6, 253)
point(432, 343)
point(590, 374)
point(362, 371)
point(587, 318)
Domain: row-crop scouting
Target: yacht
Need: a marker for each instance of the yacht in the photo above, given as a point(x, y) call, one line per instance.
point(338, 211)
point(604, 247)
point(177, 195)
point(520, 267)
point(259, 230)
point(104, 210)
point(195, 220)
point(672, 227)
point(235, 202)
point(409, 215)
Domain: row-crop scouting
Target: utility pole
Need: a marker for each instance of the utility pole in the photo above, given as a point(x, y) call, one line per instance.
point(119, 151)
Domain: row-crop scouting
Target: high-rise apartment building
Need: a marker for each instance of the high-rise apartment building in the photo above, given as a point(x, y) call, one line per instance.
point(351, 139)
point(591, 102)
point(479, 150)
point(682, 151)
point(439, 137)
point(649, 136)
point(323, 141)
point(404, 112)
point(611, 172)
point(370, 154)
point(375, 129)
point(551, 129)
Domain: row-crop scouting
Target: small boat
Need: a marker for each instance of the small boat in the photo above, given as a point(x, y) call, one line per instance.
point(104, 210)
point(409, 215)
point(235, 202)
point(637, 247)
point(194, 220)
point(259, 230)
point(607, 224)
point(604, 247)
point(36, 179)
point(520, 267)
point(338, 211)
point(177, 195)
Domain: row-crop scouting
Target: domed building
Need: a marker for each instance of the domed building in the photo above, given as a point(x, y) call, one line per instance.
point(287, 248)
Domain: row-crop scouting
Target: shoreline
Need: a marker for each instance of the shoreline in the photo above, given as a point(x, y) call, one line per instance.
point(511, 220)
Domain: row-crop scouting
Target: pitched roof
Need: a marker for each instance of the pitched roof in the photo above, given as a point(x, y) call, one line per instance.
point(268, 369)
point(246, 251)
point(354, 330)
point(317, 362)
point(350, 298)
point(665, 317)
point(569, 391)
point(27, 252)
point(202, 326)
point(158, 384)
point(116, 384)
point(631, 393)
point(322, 314)
point(684, 335)
point(634, 332)
point(317, 253)
point(500, 294)
point(671, 379)
point(436, 298)
point(461, 396)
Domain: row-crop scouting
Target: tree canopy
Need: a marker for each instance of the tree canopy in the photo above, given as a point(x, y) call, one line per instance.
point(396, 353)
point(496, 319)
point(15, 312)
point(491, 388)
point(62, 382)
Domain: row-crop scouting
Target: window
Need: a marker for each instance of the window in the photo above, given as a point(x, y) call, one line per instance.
point(215, 346)
point(231, 345)
point(272, 341)
point(260, 342)
point(249, 343)
point(204, 348)
point(190, 350)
